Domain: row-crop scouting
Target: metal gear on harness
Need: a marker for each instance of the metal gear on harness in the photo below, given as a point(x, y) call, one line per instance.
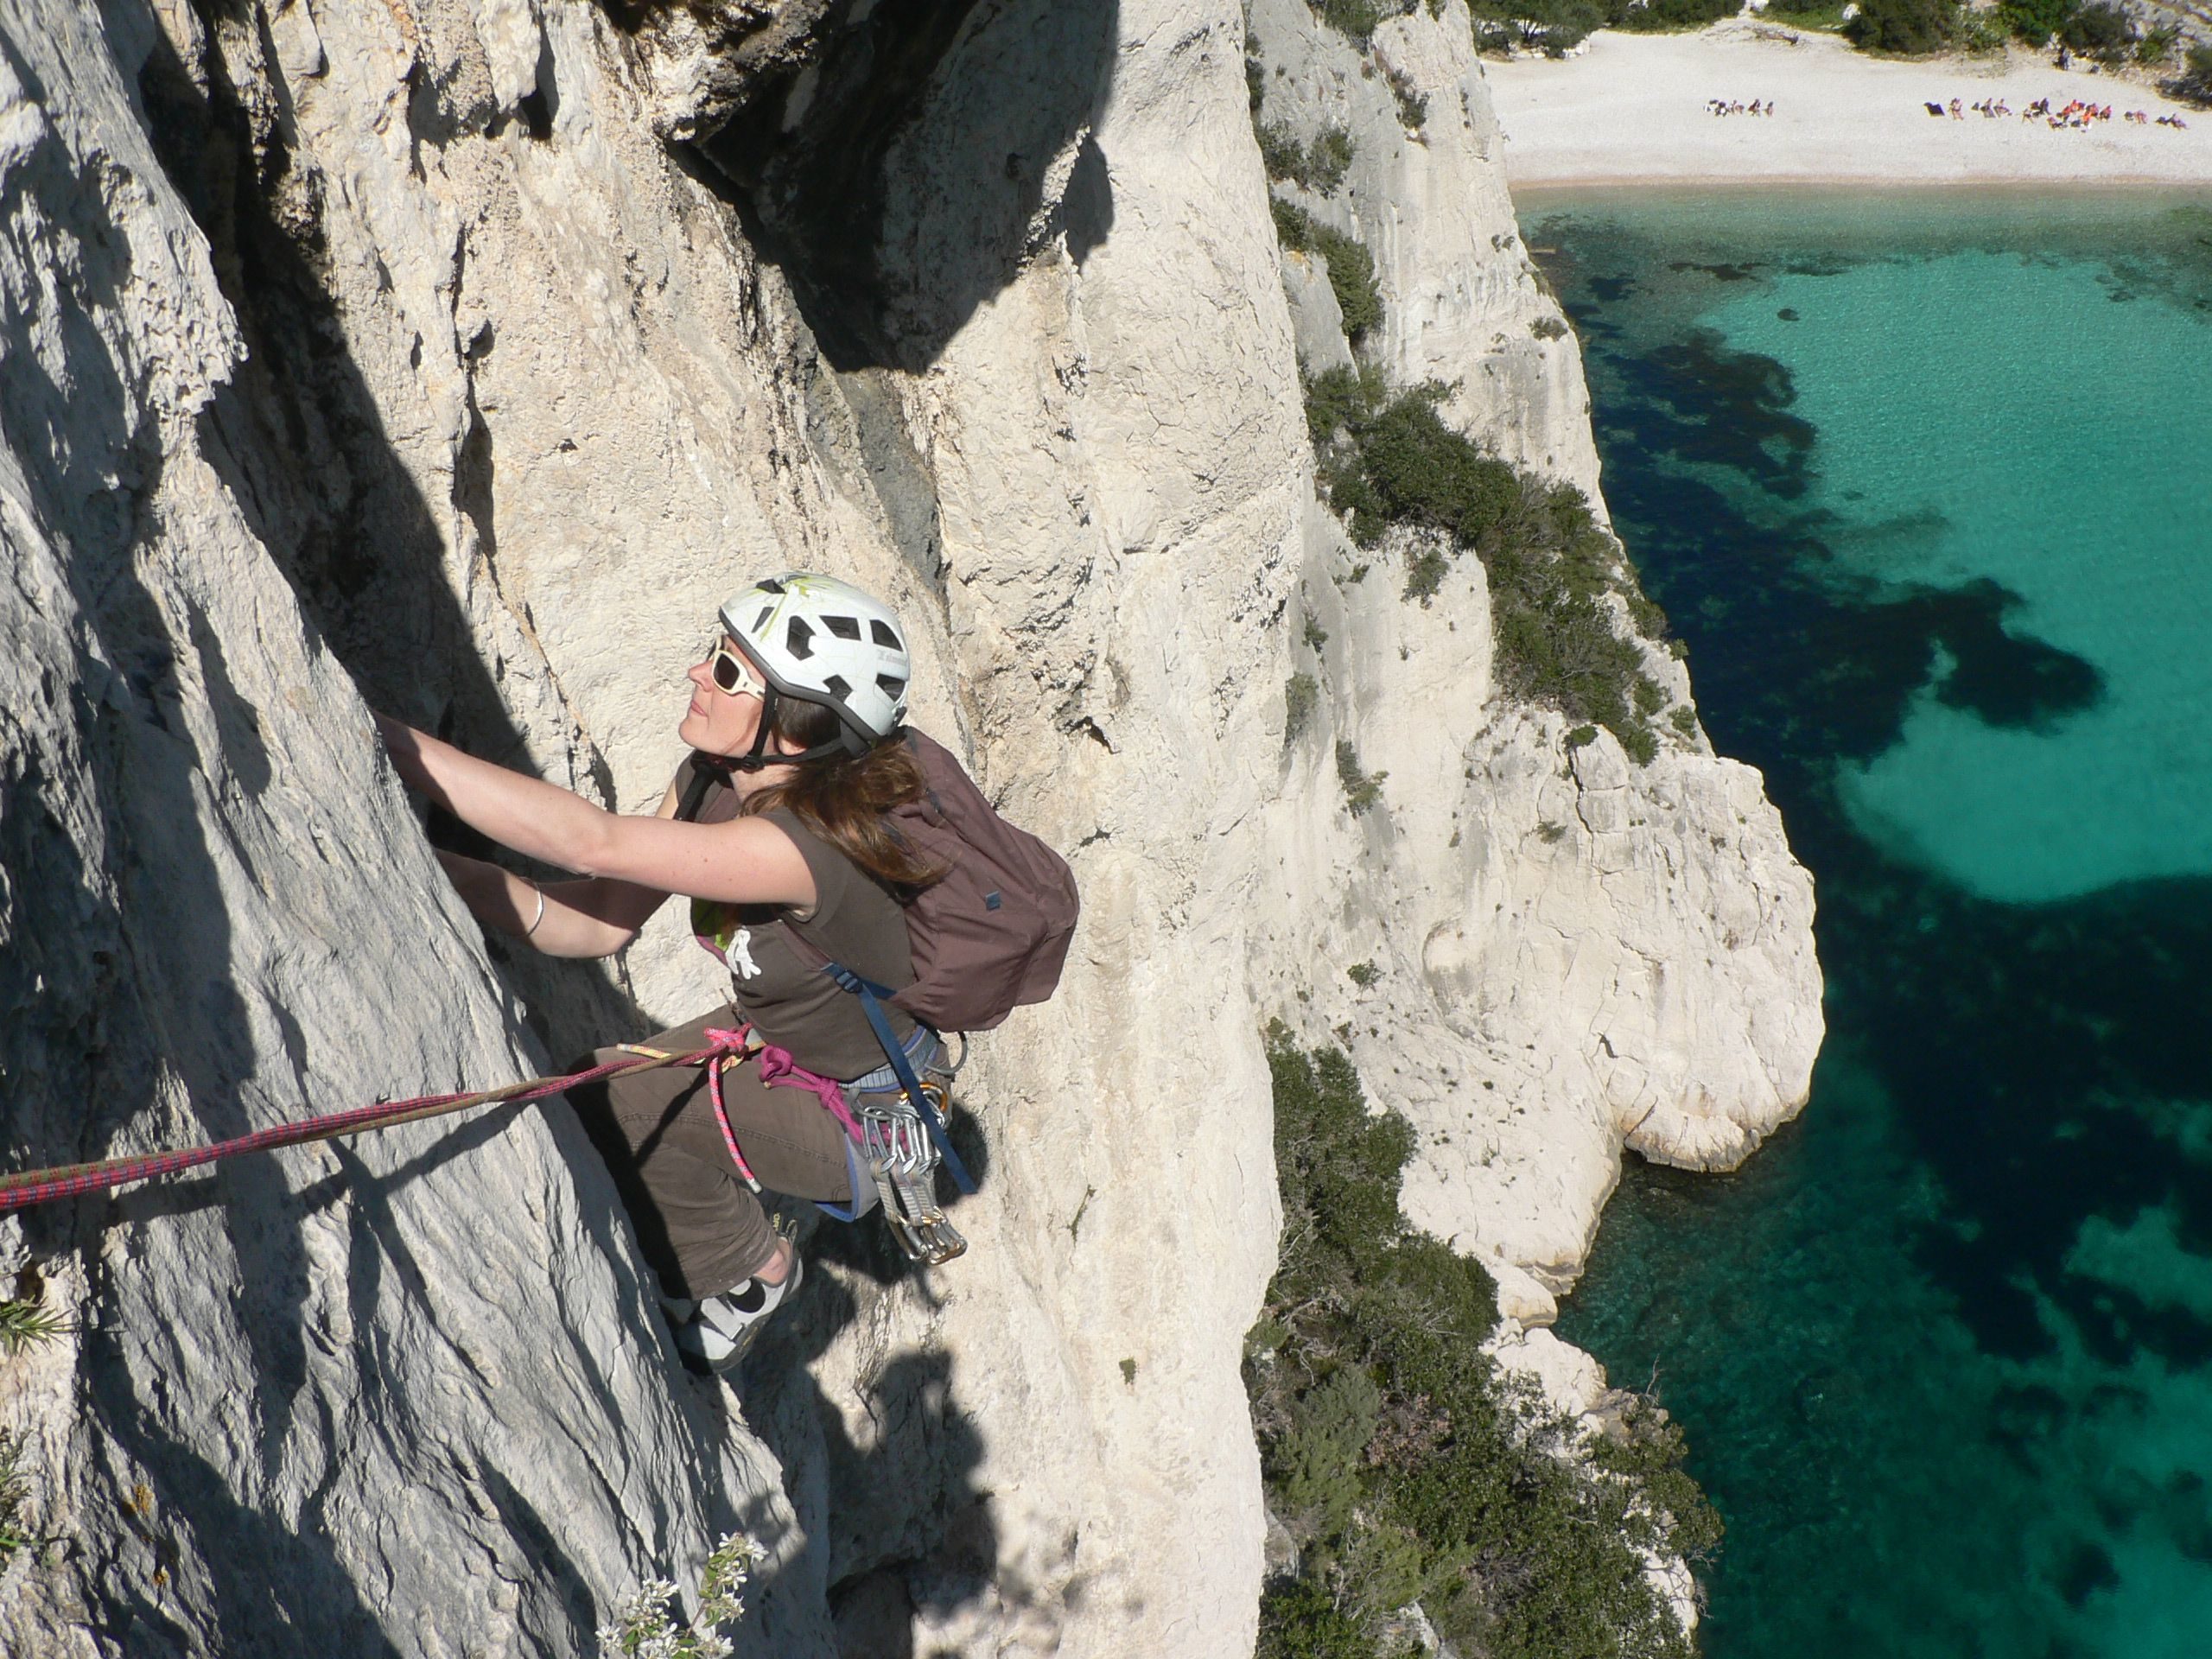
point(902, 1155)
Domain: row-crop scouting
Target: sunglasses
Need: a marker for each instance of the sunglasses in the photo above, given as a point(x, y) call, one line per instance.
point(733, 675)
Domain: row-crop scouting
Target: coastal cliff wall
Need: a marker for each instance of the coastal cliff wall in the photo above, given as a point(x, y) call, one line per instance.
point(456, 357)
point(1575, 951)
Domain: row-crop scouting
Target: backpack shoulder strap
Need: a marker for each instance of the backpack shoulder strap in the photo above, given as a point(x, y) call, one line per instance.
point(871, 996)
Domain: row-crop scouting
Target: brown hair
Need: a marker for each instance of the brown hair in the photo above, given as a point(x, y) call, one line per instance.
point(846, 799)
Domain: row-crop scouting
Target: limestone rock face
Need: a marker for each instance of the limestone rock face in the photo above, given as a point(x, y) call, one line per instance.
point(1568, 951)
point(404, 1395)
point(457, 358)
point(701, 63)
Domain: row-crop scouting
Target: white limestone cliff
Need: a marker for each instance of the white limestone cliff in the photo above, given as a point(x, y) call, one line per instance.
point(412, 354)
point(1573, 952)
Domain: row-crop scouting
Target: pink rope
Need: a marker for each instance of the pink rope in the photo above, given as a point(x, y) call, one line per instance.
point(28, 1187)
point(728, 1044)
point(778, 1069)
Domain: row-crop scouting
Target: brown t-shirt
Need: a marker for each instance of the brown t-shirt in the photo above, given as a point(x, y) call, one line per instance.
point(779, 986)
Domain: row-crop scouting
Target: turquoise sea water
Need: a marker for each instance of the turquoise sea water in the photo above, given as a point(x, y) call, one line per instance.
point(1926, 483)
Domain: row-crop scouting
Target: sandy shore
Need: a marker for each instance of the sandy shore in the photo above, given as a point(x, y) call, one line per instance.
point(1631, 109)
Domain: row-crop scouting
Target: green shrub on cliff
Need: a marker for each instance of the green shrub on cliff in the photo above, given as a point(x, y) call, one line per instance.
point(1356, 20)
point(1319, 167)
point(2035, 21)
point(1361, 789)
point(2101, 31)
point(1405, 1465)
point(2195, 79)
point(1388, 462)
point(1350, 266)
point(1551, 26)
point(1908, 28)
point(1301, 695)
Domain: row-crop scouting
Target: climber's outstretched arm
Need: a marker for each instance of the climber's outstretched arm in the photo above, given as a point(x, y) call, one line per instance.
point(591, 916)
point(744, 861)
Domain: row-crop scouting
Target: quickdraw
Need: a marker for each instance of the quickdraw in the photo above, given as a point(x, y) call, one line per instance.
point(902, 1155)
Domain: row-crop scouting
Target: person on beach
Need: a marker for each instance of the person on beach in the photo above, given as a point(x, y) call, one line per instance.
point(778, 816)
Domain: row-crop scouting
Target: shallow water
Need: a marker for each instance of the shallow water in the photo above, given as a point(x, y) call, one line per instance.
point(1926, 484)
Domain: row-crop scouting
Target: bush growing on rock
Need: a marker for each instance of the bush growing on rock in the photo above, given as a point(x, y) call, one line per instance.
point(1425, 568)
point(1299, 698)
point(1356, 20)
point(1413, 104)
point(1388, 462)
point(1908, 28)
point(1640, 743)
point(2195, 79)
point(1350, 266)
point(1336, 397)
point(1407, 1467)
point(1657, 16)
point(16, 1534)
point(1361, 789)
point(2035, 21)
point(1319, 166)
point(1552, 27)
point(1824, 14)
point(643, 1627)
point(2102, 31)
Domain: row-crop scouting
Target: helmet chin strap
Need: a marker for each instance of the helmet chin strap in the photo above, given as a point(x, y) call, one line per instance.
point(759, 755)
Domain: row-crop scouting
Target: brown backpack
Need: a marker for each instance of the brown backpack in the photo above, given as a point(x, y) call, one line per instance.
point(989, 935)
point(992, 933)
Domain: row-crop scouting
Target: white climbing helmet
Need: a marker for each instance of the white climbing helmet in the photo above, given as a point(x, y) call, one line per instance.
point(822, 641)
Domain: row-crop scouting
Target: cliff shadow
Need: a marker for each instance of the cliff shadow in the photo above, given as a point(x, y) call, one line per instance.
point(904, 176)
point(904, 1531)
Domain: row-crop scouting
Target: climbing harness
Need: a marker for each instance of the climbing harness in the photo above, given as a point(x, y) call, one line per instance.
point(887, 1140)
point(28, 1187)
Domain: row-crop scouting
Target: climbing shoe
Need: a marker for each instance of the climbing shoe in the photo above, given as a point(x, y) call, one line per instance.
point(713, 1332)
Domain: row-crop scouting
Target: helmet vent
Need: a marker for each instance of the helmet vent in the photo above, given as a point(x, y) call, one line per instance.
point(799, 638)
point(836, 686)
point(761, 621)
point(770, 584)
point(881, 633)
point(891, 687)
point(845, 627)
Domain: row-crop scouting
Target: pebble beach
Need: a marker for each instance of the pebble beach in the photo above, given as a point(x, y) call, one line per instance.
point(1636, 108)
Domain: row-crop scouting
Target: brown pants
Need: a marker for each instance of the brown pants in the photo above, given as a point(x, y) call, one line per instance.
point(700, 1226)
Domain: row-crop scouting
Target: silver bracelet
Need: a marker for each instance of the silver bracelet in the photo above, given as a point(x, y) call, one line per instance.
point(540, 916)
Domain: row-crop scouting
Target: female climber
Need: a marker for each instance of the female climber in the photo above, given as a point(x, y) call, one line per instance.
point(779, 815)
